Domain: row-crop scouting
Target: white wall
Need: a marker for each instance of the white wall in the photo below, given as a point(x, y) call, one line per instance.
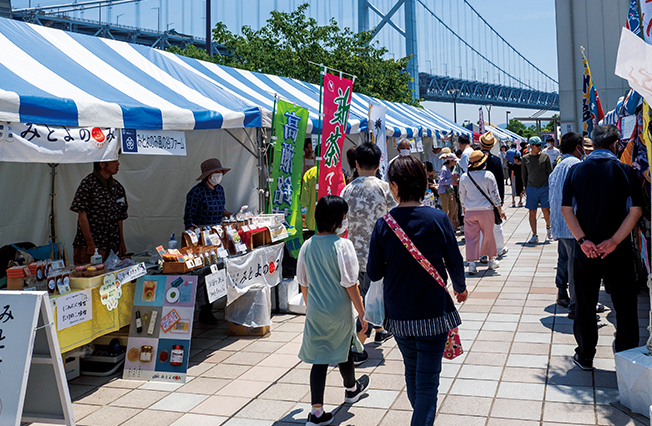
point(156, 188)
point(596, 25)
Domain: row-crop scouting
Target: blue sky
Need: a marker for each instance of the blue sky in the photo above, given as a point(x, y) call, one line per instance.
point(529, 25)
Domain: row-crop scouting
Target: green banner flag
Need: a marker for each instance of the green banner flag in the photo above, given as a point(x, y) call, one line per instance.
point(290, 129)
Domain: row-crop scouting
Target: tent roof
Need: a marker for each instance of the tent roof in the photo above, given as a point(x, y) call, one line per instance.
point(55, 77)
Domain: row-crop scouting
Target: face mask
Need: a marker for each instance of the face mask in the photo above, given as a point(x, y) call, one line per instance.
point(404, 152)
point(342, 229)
point(215, 179)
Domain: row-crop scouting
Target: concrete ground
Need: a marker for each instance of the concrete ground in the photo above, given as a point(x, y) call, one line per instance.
point(516, 369)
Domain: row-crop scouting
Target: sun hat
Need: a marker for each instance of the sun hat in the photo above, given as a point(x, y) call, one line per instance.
point(487, 141)
point(444, 152)
point(535, 140)
point(477, 158)
point(210, 166)
point(449, 157)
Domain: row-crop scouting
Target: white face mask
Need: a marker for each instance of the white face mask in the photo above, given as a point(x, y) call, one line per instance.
point(215, 179)
point(403, 152)
point(342, 229)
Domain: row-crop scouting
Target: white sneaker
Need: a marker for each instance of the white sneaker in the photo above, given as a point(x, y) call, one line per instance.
point(549, 233)
point(534, 239)
point(472, 269)
point(502, 252)
point(484, 259)
point(493, 264)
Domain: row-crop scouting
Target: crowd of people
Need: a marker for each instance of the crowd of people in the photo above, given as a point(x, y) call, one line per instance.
point(394, 239)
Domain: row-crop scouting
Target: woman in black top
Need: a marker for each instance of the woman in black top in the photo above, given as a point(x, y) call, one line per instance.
point(419, 310)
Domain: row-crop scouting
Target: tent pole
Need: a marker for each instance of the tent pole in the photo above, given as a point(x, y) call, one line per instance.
point(53, 173)
point(262, 181)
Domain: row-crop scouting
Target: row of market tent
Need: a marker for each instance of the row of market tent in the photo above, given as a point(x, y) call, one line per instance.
point(57, 78)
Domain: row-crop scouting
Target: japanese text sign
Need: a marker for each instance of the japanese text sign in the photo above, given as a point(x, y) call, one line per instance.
point(36, 143)
point(110, 292)
point(132, 273)
point(74, 308)
point(337, 102)
point(290, 128)
point(216, 285)
point(259, 267)
point(153, 142)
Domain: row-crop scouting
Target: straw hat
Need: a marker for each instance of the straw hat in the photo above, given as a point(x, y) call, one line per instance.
point(444, 152)
point(210, 166)
point(477, 158)
point(487, 141)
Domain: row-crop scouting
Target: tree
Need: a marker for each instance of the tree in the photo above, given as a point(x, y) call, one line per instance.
point(551, 126)
point(520, 128)
point(289, 40)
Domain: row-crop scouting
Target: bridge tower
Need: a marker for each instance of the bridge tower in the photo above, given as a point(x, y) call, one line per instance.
point(409, 33)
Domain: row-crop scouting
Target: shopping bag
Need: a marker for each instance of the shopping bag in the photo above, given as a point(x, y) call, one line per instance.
point(374, 302)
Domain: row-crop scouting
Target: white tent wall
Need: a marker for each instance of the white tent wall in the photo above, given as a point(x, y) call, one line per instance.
point(156, 189)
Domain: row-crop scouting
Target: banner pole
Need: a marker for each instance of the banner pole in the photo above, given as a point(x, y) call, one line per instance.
point(322, 72)
point(268, 154)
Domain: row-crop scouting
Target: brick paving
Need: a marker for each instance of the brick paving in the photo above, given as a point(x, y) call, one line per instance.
point(517, 368)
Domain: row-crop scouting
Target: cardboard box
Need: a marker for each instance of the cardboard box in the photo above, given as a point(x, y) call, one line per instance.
point(241, 330)
point(15, 283)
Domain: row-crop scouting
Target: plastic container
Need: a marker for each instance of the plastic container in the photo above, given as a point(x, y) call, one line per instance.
point(96, 258)
point(173, 243)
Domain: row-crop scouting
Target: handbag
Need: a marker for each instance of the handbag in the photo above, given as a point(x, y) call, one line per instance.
point(453, 347)
point(497, 219)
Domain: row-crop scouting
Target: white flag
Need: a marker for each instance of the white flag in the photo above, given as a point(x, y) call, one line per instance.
point(378, 132)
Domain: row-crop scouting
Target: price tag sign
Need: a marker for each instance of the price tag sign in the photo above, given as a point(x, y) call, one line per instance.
point(241, 248)
point(222, 253)
point(58, 264)
point(110, 292)
point(190, 264)
point(214, 269)
point(198, 262)
point(132, 273)
point(216, 285)
point(74, 308)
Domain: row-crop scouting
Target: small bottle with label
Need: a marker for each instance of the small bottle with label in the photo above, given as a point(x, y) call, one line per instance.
point(96, 258)
point(52, 284)
point(176, 355)
point(173, 243)
point(139, 323)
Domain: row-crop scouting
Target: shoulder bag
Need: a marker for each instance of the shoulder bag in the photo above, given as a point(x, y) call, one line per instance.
point(497, 219)
point(453, 347)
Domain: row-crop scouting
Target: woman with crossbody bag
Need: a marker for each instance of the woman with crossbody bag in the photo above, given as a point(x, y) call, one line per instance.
point(409, 247)
point(479, 197)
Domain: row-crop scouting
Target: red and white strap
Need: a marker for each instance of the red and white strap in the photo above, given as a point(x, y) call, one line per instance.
point(414, 251)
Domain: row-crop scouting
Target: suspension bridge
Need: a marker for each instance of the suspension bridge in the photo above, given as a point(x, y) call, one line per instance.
point(457, 55)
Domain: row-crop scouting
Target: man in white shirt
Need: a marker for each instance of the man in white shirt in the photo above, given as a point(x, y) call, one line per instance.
point(552, 152)
point(464, 143)
point(433, 157)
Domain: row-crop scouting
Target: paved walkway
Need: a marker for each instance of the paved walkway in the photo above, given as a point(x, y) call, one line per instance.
point(517, 369)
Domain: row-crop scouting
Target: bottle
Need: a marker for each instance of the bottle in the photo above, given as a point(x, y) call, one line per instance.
point(96, 258)
point(173, 243)
point(176, 355)
point(139, 323)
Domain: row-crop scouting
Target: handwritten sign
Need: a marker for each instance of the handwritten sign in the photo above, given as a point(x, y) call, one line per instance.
point(261, 266)
point(132, 273)
point(110, 292)
point(216, 285)
point(74, 308)
point(153, 142)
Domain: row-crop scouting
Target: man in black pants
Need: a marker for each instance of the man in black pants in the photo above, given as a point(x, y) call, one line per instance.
point(609, 199)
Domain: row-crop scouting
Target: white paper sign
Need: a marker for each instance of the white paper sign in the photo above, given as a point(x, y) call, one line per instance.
point(628, 124)
point(35, 143)
point(153, 142)
point(216, 285)
point(74, 308)
point(110, 292)
point(634, 63)
point(132, 273)
point(259, 267)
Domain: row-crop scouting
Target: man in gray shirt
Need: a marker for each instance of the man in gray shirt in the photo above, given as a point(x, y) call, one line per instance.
point(536, 168)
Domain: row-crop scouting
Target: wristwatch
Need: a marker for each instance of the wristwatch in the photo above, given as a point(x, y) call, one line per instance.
point(581, 240)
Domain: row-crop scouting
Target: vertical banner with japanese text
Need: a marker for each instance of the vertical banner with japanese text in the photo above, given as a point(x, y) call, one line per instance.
point(337, 102)
point(591, 107)
point(377, 127)
point(290, 128)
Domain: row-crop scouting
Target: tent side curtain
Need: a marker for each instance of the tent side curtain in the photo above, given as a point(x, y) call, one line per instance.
point(55, 77)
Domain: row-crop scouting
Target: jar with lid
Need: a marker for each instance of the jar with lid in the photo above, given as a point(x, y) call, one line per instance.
point(146, 353)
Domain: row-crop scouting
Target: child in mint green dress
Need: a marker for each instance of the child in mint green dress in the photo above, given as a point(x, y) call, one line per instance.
point(327, 270)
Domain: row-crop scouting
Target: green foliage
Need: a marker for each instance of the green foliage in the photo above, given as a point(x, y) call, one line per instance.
point(520, 128)
point(550, 127)
point(290, 39)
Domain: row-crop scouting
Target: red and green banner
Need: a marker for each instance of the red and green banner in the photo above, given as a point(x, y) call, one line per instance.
point(290, 129)
point(336, 105)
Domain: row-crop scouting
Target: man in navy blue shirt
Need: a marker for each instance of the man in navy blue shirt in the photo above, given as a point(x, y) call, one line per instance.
point(609, 200)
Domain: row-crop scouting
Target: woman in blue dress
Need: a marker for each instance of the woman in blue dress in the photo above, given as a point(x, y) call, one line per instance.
point(327, 270)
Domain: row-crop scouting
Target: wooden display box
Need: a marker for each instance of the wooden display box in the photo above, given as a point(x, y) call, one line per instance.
point(260, 238)
point(241, 330)
point(15, 283)
point(172, 268)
